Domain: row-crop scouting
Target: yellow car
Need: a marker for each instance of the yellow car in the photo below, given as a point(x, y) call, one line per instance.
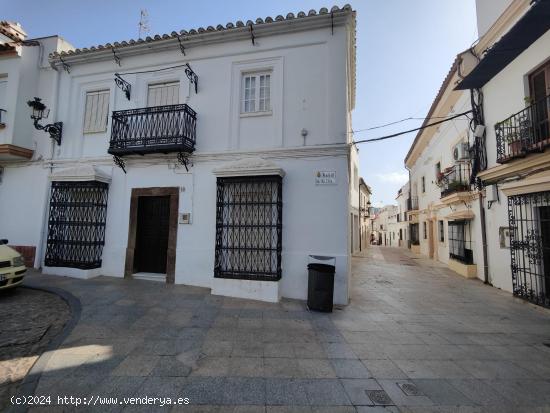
point(12, 266)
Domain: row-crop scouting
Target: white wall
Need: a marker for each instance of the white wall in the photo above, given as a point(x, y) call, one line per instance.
point(309, 90)
point(440, 149)
point(504, 96)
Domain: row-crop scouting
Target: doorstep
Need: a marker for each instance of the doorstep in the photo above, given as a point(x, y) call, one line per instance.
point(149, 276)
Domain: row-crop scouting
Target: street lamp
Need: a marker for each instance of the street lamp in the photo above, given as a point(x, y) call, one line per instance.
point(39, 112)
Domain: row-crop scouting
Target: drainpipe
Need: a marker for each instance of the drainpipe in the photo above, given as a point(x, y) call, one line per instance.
point(484, 241)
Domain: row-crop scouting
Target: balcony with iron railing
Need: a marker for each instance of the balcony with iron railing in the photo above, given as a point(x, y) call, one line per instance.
point(524, 132)
point(412, 203)
point(455, 179)
point(157, 129)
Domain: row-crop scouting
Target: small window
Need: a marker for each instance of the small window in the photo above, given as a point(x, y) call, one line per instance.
point(425, 230)
point(441, 231)
point(163, 94)
point(256, 93)
point(96, 111)
point(423, 182)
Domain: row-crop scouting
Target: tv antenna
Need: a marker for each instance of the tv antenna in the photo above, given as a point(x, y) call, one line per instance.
point(143, 23)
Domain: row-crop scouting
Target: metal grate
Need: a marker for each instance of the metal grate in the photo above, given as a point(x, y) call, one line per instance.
point(76, 226)
point(524, 132)
point(455, 179)
point(460, 242)
point(529, 221)
point(161, 129)
point(249, 228)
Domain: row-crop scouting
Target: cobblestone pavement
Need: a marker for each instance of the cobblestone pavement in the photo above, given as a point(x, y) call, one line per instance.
point(28, 321)
point(415, 338)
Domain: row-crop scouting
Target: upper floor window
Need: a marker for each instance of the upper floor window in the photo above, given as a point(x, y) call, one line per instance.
point(256, 92)
point(162, 94)
point(423, 184)
point(96, 111)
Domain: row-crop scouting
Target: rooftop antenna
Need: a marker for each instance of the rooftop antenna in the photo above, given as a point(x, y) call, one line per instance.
point(143, 23)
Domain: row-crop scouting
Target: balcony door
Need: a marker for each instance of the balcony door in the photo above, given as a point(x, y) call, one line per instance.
point(540, 89)
point(163, 94)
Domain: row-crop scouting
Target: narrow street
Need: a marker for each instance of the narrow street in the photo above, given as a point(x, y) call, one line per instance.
point(416, 338)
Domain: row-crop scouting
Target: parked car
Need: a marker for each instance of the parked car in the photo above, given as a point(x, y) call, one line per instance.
point(12, 266)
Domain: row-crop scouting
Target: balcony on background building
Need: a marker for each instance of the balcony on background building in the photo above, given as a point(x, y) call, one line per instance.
point(524, 132)
point(412, 203)
point(157, 129)
point(455, 179)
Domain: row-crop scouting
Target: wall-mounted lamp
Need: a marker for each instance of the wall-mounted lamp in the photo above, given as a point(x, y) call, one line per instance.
point(39, 112)
point(2, 124)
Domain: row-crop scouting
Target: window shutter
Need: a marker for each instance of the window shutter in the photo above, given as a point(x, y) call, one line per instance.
point(162, 94)
point(96, 111)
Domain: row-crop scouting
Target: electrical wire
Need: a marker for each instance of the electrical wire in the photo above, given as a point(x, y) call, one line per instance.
point(396, 122)
point(412, 130)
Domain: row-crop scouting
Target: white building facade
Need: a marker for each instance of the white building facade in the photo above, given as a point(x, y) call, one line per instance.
point(232, 162)
point(513, 81)
point(445, 215)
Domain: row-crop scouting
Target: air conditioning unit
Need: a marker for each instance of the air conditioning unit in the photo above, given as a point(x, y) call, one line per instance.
point(461, 151)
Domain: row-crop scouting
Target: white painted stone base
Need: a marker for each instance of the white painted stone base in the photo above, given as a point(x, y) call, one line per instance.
point(253, 290)
point(72, 272)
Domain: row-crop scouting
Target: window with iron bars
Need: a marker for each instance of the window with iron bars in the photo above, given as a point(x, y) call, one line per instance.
point(76, 224)
point(460, 242)
point(249, 228)
point(529, 222)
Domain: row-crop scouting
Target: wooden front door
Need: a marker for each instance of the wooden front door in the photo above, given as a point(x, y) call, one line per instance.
point(152, 234)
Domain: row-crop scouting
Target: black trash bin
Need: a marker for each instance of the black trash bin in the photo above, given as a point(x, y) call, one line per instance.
point(320, 287)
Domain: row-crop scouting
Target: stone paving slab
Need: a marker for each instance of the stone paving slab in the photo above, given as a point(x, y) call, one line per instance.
point(456, 345)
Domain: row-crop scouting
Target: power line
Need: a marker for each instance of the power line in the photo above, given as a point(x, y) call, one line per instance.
point(398, 121)
point(411, 130)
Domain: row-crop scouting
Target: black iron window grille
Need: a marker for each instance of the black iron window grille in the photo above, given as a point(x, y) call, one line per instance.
point(249, 228)
point(157, 129)
point(76, 225)
point(460, 242)
point(524, 132)
point(415, 236)
point(455, 179)
point(529, 222)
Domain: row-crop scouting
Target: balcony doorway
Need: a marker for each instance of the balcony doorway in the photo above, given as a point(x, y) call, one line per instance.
point(152, 234)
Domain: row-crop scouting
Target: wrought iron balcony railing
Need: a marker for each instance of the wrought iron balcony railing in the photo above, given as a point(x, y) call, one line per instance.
point(526, 131)
point(412, 203)
point(455, 179)
point(157, 129)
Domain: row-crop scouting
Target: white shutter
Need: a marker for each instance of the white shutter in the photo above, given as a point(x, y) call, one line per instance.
point(162, 94)
point(96, 111)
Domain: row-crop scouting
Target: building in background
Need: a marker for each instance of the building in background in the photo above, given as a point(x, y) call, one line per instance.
point(402, 227)
point(186, 158)
point(447, 218)
point(365, 193)
point(508, 75)
point(384, 224)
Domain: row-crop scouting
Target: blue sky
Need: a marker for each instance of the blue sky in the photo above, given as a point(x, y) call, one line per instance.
point(404, 50)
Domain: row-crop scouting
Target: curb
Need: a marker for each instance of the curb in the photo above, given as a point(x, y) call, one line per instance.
point(30, 382)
